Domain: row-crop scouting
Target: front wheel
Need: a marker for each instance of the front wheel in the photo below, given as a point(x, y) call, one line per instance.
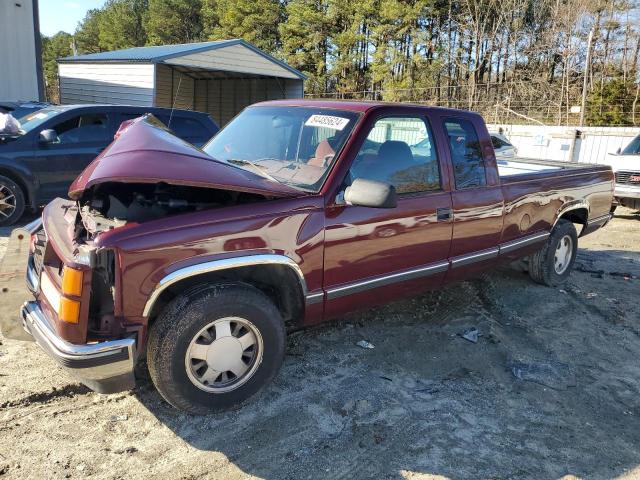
point(214, 347)
point(553, 263)
point(12, 201)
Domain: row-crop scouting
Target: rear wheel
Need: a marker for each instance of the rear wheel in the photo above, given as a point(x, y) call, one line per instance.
point(553, 263)
point(11, 202)
point(215, 346)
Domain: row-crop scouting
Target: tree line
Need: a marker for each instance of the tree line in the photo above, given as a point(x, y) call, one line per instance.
point(524, 59)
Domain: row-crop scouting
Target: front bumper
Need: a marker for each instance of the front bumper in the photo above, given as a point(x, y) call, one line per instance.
point(626, 191)
point(106, 367)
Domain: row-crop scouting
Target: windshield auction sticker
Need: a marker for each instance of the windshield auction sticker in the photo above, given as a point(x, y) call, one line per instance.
point(327, 121)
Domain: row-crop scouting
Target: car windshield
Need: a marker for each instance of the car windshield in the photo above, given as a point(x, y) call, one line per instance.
point(292, 145)
point(35, 119)
point(633, 148)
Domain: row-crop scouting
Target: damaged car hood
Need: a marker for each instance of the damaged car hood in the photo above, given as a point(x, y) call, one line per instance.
point(146, 152)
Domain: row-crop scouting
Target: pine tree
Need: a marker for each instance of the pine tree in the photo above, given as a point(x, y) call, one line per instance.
point(87, 34)
point(121, 24)
point(255, 21)
point(305, 41)
point(173, 21)
point(57, 46)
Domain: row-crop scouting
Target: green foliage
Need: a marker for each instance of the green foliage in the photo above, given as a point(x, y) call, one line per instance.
point(54, 47)
point(256, 21)
point(209, 16)
point(526, 55)
point(87, 34)
point(611, 103)
point(121, 24)
point(173, 21)
point(305, 42)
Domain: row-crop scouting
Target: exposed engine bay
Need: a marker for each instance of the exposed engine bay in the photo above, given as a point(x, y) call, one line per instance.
point(111, 205)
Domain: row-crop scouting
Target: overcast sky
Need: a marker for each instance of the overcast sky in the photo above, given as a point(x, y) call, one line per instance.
point(57, 15)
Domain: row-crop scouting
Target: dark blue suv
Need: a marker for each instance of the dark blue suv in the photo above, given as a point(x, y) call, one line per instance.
point(58, 142)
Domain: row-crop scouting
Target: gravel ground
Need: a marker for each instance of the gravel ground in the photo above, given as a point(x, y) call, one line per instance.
point(550, 390)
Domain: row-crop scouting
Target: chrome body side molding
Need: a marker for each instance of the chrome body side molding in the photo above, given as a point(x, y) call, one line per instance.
point(223, 264)
point(314, 298)
point(363, 285)
point(600, 219)
point(523, 242)
point(474, 257)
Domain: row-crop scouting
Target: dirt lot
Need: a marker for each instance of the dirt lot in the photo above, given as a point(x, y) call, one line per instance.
point(551, 389)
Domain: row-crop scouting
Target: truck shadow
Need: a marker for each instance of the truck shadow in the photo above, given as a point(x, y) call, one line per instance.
point(554, 375)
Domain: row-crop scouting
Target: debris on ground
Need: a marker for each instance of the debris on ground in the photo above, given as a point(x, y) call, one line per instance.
point(563, 379)
point(626, 276)
point(365, 344)
point(472, 334)
point(594, 273)
point(118, 418)
point(555, 375)
point(592, 295)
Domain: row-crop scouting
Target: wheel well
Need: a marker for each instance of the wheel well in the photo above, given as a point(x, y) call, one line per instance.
point(578, 215)
point(18, 181)
point(279, 282)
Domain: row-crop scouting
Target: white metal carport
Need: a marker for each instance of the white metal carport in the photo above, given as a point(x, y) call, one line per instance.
point(220, 77)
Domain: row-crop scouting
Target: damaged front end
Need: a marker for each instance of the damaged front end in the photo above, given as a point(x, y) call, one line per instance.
point(76, 312)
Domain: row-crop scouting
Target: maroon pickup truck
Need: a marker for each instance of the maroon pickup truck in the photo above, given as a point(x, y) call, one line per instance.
point(295, 213)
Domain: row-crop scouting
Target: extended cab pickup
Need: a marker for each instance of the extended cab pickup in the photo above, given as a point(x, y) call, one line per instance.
point(295, 213)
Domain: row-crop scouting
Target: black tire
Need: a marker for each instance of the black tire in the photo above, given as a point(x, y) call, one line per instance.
point(542, 263)
point(11, 213)
point(183, 319)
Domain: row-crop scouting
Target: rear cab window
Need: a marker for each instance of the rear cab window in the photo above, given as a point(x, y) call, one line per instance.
point(399, 151)
point(466, 153)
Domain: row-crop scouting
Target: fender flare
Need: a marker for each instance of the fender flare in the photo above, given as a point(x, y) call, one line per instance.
point(569, 206)
point(220, 265)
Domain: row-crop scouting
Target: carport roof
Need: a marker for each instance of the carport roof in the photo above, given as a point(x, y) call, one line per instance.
point(158, 54)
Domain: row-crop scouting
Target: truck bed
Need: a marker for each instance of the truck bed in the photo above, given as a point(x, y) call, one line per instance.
point(520, 168)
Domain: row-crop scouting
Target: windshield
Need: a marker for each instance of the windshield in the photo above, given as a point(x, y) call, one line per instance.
point(633, 148)
point(35, 119)
point(292, 145)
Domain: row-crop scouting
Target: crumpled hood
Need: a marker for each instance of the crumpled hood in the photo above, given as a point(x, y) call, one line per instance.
point(146, 152)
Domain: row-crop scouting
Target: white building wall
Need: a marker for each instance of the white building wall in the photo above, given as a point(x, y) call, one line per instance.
point(116, 84)
point(18, 51)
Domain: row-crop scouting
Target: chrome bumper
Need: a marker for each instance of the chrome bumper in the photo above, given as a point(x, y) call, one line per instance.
point(106, 367)
point(627, 191)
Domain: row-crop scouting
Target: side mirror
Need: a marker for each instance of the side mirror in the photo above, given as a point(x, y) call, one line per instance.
point(618, 151)
point(371, 193)
point(48, 136)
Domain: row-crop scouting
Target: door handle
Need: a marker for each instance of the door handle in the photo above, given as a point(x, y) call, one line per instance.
point(444, 214)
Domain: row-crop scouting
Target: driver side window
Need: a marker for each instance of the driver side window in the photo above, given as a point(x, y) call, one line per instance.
point(399, 151)
point(83, 128)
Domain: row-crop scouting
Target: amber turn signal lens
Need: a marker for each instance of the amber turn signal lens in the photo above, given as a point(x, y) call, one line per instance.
point(69, 310)
point(71, 281)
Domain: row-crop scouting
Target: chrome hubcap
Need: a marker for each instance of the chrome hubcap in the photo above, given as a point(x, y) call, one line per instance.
point(7, 202)
point(563, 254)
point(224, 355)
